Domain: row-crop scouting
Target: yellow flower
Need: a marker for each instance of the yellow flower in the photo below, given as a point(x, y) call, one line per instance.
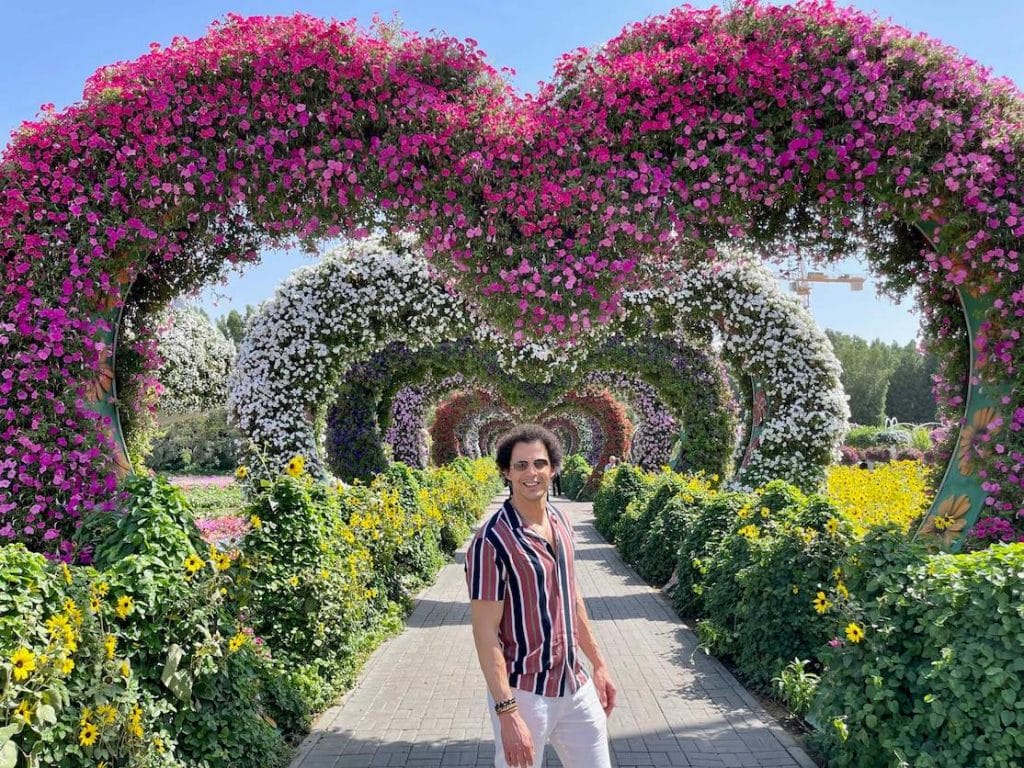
point(110, 644)
point(749, 532)
point(193, 564)
point(24, 711)
point(842, 591)
point(158, 743)
point(255, 522)
point(236, 642)
point(832, 526)
point(242, 472)
point(821, 603)
point(794, 589)
point(66, 665)
point(765, 512)
point(125, 605)
point(88, 735)
point(58, 624)
point(854, 633)
point(102, 588)
point(73, 611)
point(296, 466)
point(135, 722)
point(294, 581)
point(94, 603)
point(66, 572)
point(221, 561)
point(23, 662)
point(106, 713)
point(126, 669)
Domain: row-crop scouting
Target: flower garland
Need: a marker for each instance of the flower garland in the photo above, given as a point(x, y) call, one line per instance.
point(799, 124)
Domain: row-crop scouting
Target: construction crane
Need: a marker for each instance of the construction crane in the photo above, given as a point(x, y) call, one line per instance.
point(801, 283)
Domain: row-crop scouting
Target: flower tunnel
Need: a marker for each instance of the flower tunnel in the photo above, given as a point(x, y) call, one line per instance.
point(804, 127)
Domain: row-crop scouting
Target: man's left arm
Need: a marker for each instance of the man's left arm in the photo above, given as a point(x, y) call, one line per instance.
point(588, 644)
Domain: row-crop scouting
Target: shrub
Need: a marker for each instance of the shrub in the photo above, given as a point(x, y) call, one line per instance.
point(575, 473)
point(198, 443)
point(619, 486)
point(643, 513)
point(862, 436)
point(935, 682)
point(659, 551)
point(710, 514)
point(782, 552)
point(153, 519)
point(894, 437)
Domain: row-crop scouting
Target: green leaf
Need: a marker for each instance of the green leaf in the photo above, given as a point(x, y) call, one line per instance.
point(8, 755)
point(46, 714)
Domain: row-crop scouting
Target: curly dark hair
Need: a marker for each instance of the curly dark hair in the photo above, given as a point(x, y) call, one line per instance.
point(528, 433)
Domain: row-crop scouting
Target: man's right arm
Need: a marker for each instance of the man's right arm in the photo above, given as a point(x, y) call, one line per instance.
point(515, 735)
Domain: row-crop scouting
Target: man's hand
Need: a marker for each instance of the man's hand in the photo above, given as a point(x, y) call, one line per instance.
point(516, 740)
point(605, 689)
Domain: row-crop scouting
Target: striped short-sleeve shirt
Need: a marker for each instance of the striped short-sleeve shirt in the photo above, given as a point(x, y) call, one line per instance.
point(509, 562)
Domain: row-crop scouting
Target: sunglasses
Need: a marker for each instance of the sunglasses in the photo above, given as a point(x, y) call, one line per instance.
point(522, 466)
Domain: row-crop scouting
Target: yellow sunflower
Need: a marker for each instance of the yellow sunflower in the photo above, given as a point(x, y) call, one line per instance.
point(24, 711)
point(23, 662)
point(949, 520)
point(854, 633)
point(822, 603)
point(296, 466)
point(242, 472)
point(125, 605)
point(88, 735)
point(193, 564)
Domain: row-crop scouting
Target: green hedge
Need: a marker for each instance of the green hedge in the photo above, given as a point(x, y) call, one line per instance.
point(174, 653)
point(575, 473)
point(618, 487)
point(936, 681)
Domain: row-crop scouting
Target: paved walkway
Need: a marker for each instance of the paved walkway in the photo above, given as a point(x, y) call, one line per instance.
point(420, 698)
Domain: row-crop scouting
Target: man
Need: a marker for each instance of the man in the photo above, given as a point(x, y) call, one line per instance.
point(529, 621)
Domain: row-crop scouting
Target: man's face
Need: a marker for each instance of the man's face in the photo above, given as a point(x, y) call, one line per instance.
point(529, 471)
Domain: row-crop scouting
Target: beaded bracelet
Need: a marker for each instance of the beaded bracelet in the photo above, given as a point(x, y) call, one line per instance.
point(504, 707)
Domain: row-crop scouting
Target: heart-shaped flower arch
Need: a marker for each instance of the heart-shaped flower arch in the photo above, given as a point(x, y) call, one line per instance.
point(801, 124)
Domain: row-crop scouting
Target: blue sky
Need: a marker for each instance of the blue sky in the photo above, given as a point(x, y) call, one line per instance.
point(49, 47)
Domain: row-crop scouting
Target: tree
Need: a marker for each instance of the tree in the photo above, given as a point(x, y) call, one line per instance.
point(865, 377)
point(233, 324)
point(910, 396)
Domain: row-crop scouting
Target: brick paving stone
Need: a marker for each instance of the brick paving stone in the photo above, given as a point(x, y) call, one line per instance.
point(420, 700)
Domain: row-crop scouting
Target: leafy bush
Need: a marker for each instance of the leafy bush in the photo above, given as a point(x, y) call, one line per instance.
point(935, 682)
point(893, 437)
point(213, 501)
point(761, 584)
point(575, 473)
point(619, 486)
point(173, 637)
point(634, 525)
point(708, 516)
point(861, 436)
point(198, 443)
point(154, 519)
point(796, 686)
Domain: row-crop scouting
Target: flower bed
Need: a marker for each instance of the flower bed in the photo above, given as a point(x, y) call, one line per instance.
point(171, 652)
point(897, 493)
point(912, 668)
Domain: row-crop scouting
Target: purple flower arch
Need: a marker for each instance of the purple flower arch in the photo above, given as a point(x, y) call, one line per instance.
point(807, 125)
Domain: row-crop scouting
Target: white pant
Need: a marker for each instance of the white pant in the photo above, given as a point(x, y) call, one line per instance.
point(575, 726)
